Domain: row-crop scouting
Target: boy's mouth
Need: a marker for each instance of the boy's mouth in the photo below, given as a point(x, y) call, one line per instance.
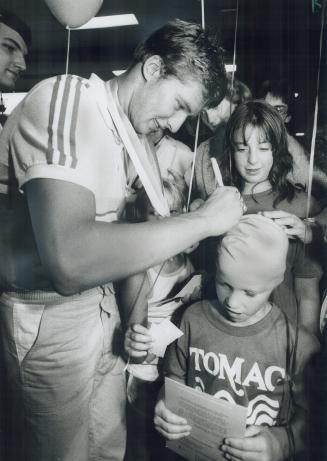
point(231, 312)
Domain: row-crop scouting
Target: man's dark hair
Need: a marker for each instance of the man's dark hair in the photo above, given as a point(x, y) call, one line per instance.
point(14, 22)
point(188, 52)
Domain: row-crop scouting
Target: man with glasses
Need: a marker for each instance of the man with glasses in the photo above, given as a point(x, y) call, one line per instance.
point(278, 94)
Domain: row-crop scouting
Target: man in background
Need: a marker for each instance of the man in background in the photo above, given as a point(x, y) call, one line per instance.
point(15, 39)
point(278, 94)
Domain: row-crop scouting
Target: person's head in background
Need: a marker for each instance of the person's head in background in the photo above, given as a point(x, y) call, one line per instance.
point(156, 136)
point(250, 264)
point(235, 95)
point(15, 39)
point(278, 93)
point(256, 157)
point(180, 71)
point(175, 192)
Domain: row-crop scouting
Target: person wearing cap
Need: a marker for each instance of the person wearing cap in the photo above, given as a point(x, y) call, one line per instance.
point(15, 39)
point(240, 347)
point(73, 150)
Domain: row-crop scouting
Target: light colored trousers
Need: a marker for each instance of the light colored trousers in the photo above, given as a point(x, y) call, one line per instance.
point(66, 381)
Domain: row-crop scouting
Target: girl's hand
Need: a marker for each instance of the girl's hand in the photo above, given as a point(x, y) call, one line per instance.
point(258, 444)
point(137, 341)
point(292, 225)
point(170, 425)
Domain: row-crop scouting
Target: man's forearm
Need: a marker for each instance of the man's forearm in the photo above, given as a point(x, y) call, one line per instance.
point(79, 252)
point(104, 252)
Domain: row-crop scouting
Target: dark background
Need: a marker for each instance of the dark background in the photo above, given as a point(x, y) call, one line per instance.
point(275, 38)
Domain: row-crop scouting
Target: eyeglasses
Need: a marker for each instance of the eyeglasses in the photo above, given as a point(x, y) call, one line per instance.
point(282, 110)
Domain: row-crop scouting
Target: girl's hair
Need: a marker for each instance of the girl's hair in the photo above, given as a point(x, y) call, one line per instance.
point(263, 116)
point(175, 192)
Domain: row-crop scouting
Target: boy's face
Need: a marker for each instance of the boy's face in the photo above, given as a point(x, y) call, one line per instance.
point(279, 105)
point(241, 302)
point(12, 57)
point(216, 115)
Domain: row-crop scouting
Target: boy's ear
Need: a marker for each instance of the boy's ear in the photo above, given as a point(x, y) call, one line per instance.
point(152, 68)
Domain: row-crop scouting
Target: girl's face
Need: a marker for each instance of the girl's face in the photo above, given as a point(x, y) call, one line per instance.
point(253, 155)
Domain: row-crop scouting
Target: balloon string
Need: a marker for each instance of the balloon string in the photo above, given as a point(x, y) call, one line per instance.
point(315, 118)
point(234, 59)
point(68, 49)
point(202, 14)
point(197, 127)
point(193, 162)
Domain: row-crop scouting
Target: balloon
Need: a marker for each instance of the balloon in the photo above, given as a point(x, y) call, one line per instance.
point(74, 13)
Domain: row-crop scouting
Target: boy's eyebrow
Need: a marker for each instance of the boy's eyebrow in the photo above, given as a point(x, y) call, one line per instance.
point(16, 44)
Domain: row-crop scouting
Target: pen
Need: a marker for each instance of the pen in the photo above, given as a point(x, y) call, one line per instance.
point(216, 170)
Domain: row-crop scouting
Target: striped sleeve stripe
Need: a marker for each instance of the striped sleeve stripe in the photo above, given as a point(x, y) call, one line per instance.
point(62, 148)
point(72, 135)
point(51, 117)
point(63, 114)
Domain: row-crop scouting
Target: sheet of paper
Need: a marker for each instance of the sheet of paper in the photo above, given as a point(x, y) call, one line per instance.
point(163, 334)
point(212, 420)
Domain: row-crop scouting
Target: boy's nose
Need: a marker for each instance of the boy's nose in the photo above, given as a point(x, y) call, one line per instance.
point(233, 300)
point(19, 61)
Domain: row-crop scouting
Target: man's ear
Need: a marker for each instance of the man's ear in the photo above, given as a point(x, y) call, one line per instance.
point(152, 68)
point(288, 119)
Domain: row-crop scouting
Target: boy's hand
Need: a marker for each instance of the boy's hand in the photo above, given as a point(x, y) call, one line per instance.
point(258, 444)
point(137, 341)
point(170, 425)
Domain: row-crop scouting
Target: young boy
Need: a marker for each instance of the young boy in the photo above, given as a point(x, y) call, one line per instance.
point(242, 348)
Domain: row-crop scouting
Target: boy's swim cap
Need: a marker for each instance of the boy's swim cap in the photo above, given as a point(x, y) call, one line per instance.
point(254, 251)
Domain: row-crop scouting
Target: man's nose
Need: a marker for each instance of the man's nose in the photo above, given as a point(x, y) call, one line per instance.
point(176, 121)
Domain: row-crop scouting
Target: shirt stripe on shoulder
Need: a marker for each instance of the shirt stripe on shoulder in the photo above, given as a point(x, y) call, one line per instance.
point(63, 114)
point(51, 119)
point(72, 134)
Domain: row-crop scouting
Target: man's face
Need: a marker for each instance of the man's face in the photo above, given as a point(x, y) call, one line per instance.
point(279, 105)
point(12, 57)
point(216, 115)
point(164, 103)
